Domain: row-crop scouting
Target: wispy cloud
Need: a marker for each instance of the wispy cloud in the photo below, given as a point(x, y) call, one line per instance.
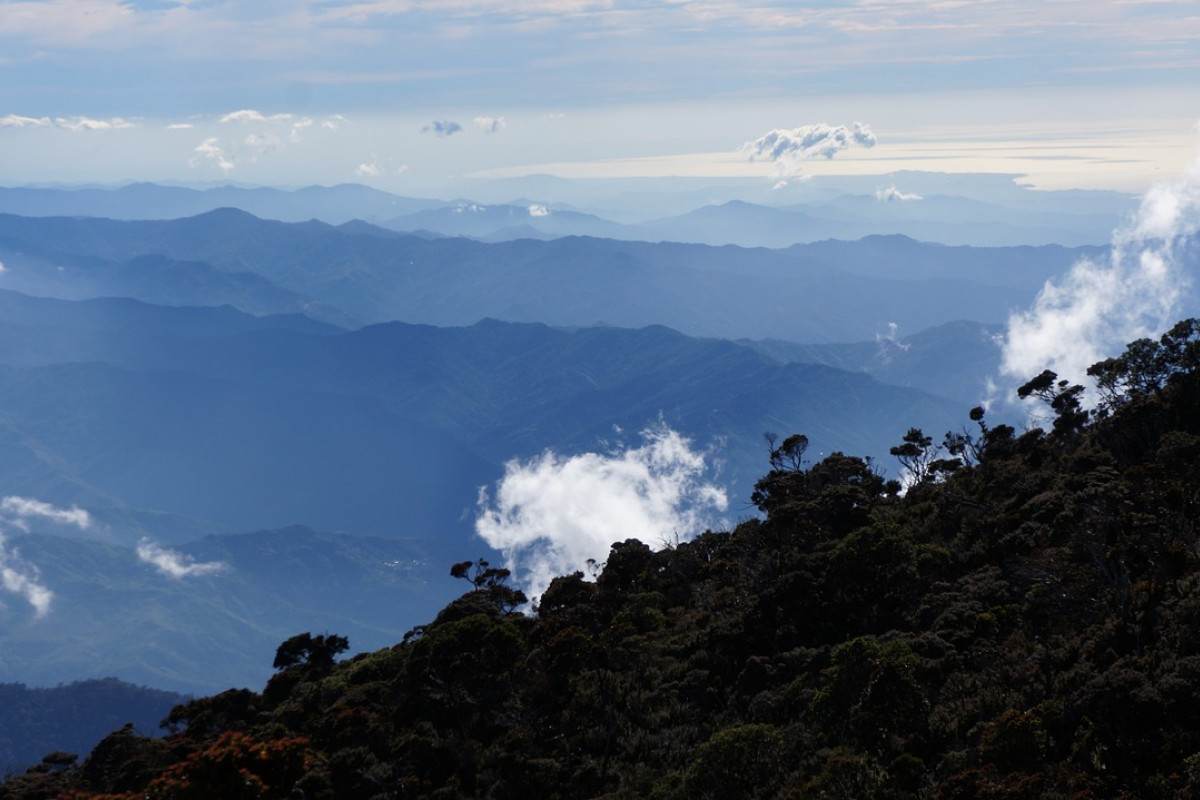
point(66, 123)
point(17, 575)
point(553, 513)
point(17, 121)
point(1103, 304)
point(89, 124)
point(211, 150)
point(174, 564)
point(252, 115)
point(19, 509)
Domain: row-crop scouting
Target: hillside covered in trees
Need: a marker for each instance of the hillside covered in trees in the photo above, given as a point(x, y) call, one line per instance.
point(1022, 622)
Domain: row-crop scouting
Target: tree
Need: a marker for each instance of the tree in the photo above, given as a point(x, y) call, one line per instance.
point(304, 649)
point(916, 454)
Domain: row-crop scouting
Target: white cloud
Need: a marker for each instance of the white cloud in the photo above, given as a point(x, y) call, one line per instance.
point(537, 210)
point(788, 147)
point(211, 150)
point(89, 124)
point(66, 123)
point(173, 564)
point(23, 579)
point(3, 269)
point(1102, 305)
point(180, 126)
point(17, 121)
point(553, 513)
point(367, 170)
point(16, 575)
point(442, 127)
point(491, 124)
point(18, 509)
point(891, 194)
point(251, 115)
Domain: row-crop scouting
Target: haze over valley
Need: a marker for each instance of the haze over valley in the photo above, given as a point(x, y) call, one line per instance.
point(299, 307)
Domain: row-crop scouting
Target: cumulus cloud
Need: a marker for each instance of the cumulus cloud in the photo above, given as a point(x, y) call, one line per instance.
point(491, 124)
point(174, 564)
point(367, 170)
point(1101, 305)
point(3, 269)
point(538, 210)
point(17, 575)
point(807, 142)
point(891, 194)
point(442, 127)
point(551, 514)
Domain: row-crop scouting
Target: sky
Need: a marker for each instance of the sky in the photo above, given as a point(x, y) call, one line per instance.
point(424, 97)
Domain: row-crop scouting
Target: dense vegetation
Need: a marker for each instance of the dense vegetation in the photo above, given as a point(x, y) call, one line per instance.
point(1021, 623)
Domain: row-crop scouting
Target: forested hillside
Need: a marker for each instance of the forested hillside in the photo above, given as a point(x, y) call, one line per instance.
point(36, 722)
point(1020, 623)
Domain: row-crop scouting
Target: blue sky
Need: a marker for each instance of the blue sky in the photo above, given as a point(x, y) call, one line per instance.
point(423, 97)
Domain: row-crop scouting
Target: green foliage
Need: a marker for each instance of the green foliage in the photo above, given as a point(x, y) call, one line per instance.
point(1023, 625)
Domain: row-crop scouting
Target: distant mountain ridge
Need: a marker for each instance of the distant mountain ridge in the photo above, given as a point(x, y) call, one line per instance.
point(825, 292)
point(943, 212)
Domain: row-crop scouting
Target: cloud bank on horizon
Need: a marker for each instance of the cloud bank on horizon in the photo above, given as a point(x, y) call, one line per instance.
point(632, 79)
point(552, 514)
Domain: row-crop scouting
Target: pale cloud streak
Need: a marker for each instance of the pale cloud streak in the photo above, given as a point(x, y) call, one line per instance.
point(174, 564)
point(18, 576)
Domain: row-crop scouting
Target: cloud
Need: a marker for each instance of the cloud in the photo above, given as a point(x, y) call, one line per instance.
point(537, 210)
point(552, 514)
point(367, 170)
point(1101, 305)
point(180, 126)
point(23, 579)
point(18, 509)
point(442, 127)
point(66, 123)
point(173, 564)
point(211, 150)
point(3, 269)
point(788, 147)
point(16, 575)
point(17, 121)
point(891, 195)
point(251, 115)
point(89, 124)
point(491, 124)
